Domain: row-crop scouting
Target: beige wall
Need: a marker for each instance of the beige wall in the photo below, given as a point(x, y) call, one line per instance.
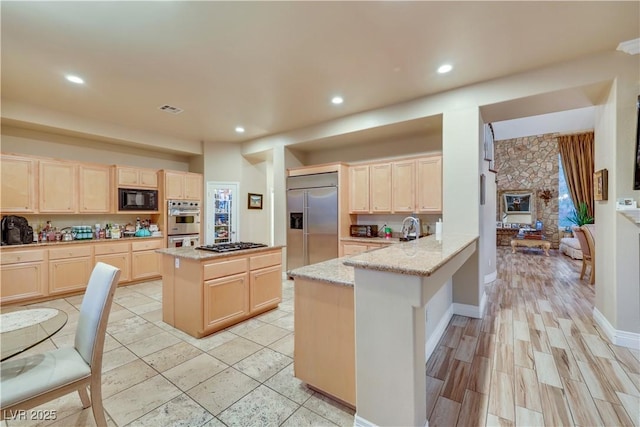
point(37, 143)
point(223, 162)
point(617, 238)
point(461, 130)
point(398, 147)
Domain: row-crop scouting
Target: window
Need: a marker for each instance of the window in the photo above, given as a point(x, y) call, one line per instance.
point(565, 204)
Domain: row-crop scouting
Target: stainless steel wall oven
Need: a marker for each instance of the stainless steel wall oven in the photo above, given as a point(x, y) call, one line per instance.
point(183, 217)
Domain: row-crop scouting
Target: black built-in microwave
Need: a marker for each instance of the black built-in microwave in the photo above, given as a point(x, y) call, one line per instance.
point(132, 199)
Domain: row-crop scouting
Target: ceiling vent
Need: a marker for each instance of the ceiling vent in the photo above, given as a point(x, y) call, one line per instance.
point(171, 109)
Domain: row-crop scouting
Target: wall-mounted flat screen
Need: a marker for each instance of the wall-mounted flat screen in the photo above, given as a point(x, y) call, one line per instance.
point(636, 176)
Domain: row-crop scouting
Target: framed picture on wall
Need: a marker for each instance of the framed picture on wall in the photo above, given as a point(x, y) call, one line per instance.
point(517, 203)
point(600, 185)
point(255, 201)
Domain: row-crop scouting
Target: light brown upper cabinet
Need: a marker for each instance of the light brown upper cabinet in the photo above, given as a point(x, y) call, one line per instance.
point(412, 185)
point(95, 189)
point(380, 185)
point(183, 185)
point(58, 187)
point(359, 189)
point(19, 184)
point(429, 186)
point(404, 184)
point(193, 186)
point(136, 177)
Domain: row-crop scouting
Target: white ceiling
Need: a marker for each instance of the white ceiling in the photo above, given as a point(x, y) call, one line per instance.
point(274, 66)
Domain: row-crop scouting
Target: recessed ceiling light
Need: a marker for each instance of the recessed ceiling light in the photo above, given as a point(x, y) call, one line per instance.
point(337, 100)
point(445, 68)
point(74, 79)
point(239, 129)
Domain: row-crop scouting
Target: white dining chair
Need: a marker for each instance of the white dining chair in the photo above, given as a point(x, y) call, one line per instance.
point(34, 380)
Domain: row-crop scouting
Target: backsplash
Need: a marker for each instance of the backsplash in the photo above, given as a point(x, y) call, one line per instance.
point(427, 222)
point(63, 221)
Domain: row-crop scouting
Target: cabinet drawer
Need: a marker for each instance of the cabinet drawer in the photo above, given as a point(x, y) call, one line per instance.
point(21, 256)
point(265, 260)
point(225, 268)
point(117, 248)
point(69, 252)
point(146, 245)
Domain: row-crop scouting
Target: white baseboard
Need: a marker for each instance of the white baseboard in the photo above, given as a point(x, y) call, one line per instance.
point(471, 310)
point(358, 421)
point(491, 277)
point(621, 338)
point(432, 341)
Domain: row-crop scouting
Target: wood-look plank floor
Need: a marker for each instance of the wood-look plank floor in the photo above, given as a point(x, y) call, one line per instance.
point(537, 356)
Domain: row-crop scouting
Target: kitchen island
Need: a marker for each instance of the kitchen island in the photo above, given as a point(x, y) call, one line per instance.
point(204, 292)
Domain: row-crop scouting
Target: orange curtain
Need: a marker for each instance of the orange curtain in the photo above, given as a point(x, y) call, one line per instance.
point(576, 152)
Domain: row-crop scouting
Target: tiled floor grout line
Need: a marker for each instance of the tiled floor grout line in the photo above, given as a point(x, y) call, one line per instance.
point(185, 392)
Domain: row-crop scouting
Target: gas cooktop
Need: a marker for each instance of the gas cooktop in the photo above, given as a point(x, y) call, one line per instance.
point(230, 247)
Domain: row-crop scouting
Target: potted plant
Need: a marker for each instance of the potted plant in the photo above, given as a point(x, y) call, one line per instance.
point(580, 216)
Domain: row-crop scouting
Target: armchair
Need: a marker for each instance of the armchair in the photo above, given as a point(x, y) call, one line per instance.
point(587, 245)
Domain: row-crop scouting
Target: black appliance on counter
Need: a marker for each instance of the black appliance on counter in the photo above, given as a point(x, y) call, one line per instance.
point(132, 199)
point(363, 231)
point(230, 247)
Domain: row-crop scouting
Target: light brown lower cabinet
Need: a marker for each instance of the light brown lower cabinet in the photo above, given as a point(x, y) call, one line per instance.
point(117, 255)
point(265, 288)
point(145, 262)
point(324, 348)
point(23, 275)
point(69, 269)
point(34, 273)
point(353, 248)
point(200, 297)
point(225, 300)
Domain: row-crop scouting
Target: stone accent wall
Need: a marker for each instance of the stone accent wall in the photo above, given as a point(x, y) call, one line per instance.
point(531, 163)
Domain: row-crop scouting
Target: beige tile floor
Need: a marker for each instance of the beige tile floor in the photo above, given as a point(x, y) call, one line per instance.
point(155, 375)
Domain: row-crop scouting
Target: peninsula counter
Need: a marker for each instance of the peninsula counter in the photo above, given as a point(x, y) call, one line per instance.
point(375, 337)
point(392, 288)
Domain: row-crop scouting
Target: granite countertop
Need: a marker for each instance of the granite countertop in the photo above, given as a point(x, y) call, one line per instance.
point(421, 257)
point(333, 271)
point(75, 242)
point(197, 254)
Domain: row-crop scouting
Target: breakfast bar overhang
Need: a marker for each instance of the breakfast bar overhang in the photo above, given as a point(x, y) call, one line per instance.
point(392, 287)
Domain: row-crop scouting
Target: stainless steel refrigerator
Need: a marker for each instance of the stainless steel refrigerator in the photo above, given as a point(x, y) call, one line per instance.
point(312, 214)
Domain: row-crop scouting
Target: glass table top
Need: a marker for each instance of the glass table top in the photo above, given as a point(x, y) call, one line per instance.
point(23, 327)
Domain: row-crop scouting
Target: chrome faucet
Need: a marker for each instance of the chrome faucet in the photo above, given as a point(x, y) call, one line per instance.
point(410, 227)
